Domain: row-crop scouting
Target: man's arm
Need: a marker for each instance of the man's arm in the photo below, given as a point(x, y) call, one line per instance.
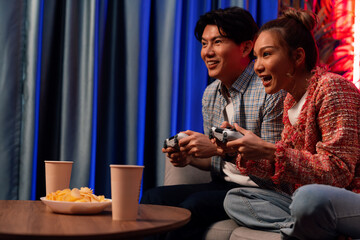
point(272, 124)
point(215, 162)
point(201, 163)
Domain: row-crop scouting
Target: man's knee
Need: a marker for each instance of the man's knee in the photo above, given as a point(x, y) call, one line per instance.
point(152, 196)
point(196, 202)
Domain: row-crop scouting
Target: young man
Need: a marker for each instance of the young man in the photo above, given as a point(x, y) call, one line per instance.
point(237, 96)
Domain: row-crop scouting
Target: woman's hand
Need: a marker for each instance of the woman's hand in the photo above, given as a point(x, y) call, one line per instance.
point(222, 149)
point(252, 147)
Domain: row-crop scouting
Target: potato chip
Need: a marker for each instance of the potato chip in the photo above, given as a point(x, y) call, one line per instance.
point(85, 194)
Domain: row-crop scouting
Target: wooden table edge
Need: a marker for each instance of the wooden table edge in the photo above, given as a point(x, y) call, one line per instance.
point(132, 234)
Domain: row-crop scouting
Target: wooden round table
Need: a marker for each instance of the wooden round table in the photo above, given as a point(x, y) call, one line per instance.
point(33, 220)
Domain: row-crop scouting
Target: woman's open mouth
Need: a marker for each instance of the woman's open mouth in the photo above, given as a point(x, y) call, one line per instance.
point(266, 80)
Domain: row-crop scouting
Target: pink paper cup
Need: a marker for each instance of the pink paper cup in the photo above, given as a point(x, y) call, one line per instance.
point(57, 175)
point(125, 191)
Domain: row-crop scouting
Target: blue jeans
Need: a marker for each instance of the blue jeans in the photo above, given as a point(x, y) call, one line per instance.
point(258, 208)
point(316, 211)
point(324, 212)
point(205, 202)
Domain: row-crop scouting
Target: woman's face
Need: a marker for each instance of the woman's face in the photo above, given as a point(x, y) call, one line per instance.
point(273, 64)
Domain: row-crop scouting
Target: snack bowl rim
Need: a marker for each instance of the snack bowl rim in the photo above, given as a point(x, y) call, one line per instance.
point(67, 207)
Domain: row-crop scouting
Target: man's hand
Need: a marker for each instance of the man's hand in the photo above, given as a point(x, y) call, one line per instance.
point(226, 125)
point(177, 158)
point(197, 145)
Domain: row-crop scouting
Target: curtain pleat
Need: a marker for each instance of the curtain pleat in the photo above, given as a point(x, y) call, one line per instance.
point(159, 116)
point(263, 10)
point(196, 72)
point(30, 94)
point(12, 34)
point(51, 90)
point(95, 95)
point(177, 54)
point(143, 71)
point(131, 32)
point(77, 89)
point(112, 143)
point(67, 89)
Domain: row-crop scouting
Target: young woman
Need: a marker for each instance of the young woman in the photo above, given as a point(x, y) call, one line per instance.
point(320, 142)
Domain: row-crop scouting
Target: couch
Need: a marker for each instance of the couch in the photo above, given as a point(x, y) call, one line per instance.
point(226, 229)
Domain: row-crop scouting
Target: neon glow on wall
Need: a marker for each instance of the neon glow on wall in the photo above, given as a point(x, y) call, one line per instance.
point(336, 34)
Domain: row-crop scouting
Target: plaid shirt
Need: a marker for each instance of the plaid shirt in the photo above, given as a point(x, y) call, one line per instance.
point(254, 110)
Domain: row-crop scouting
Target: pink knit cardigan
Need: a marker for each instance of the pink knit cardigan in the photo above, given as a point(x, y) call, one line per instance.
point(324, 145)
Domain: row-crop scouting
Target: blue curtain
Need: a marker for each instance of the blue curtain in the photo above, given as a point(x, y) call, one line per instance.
point(263, 11)
point(98, 82)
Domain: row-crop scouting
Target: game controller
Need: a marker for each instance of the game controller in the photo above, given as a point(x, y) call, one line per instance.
point(174, 140)
point(224, 134)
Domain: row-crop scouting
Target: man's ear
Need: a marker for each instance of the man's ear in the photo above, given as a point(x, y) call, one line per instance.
point(247, 47)
point(299, 56)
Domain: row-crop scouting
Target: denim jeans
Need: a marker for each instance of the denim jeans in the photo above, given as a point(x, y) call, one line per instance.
point(258, 208)
point(315, 211)
point(324, 212)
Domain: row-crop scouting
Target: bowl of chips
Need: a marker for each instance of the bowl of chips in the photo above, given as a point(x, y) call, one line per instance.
point(76, 201)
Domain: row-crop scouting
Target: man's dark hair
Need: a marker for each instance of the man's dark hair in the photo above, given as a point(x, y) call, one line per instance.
point(234, 23)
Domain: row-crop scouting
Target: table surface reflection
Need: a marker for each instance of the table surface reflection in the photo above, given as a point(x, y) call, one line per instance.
point(21, 219)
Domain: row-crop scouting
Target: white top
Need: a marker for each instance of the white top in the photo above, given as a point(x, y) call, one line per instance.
point(295, 110)
point(230, 170)
point(232, 174)
point(229, 109)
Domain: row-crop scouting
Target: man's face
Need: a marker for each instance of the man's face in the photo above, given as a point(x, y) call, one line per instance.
point(223, 57)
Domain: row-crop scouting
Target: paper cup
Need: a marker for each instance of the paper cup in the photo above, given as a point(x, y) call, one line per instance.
point(125, 191)
point(57, 175)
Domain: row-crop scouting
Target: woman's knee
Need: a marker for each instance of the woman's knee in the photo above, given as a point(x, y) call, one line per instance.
point(234, 208)
point(228, 203)
point(310, 201)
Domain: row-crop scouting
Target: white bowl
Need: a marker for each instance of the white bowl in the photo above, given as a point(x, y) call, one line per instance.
point(76, 207)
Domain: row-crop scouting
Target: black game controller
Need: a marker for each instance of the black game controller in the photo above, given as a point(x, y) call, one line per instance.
point(224, 134)
point(174, 140)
